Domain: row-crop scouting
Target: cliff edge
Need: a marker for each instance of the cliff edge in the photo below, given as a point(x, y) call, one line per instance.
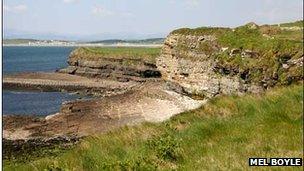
point(251, 58)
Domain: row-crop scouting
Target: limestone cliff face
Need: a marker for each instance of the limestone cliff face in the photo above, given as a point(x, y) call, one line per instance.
point(194, 69)
point(89, 64)
point(192, 61)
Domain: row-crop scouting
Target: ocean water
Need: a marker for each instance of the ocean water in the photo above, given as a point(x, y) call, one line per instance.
point(34, 103)
point(34, 59)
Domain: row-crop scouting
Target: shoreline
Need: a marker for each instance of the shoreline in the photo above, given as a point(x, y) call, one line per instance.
point(116, 104)
point(85, 45)
point(58, 82)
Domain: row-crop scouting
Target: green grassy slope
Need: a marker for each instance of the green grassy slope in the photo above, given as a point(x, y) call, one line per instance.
point(143, 41)
point(299, 23)
point(221, 135)
point(98, 53)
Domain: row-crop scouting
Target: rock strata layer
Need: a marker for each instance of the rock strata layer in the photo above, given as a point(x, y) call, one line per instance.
point(66, 82)
point(194, 70)
point(121, 69)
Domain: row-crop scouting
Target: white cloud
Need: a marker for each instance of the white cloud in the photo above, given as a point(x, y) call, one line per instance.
point(103, 12)
point(70, 1)
point(100, 11)
point(192, 3)
point(127, 14)
point(15, 9)
point(187, 3)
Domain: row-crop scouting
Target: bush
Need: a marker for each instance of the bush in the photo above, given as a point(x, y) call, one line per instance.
point(167, 147)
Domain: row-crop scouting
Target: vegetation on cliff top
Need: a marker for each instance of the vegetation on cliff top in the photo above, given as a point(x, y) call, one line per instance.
point(134, 53)
point(139, 42)
point(221, 135)
point(299, 23)
point(273, 51)
point(271, 47)
point(250, 36)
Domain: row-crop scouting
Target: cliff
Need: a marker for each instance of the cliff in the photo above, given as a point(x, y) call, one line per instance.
point(251, 58)
point(121, 64)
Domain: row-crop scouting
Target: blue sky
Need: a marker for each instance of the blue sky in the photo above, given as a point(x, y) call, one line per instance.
point(103, 19)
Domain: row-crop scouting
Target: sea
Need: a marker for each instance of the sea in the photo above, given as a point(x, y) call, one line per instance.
point(18, 59)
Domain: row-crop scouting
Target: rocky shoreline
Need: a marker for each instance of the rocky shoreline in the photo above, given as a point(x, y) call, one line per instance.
point(151, 102)
point(65, 82)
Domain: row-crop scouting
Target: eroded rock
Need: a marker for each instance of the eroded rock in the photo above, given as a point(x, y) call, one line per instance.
point(121, 69)
point(194, 69)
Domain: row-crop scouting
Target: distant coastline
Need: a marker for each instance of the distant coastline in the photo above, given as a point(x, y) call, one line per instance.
point(155, 42)
point(85, 45)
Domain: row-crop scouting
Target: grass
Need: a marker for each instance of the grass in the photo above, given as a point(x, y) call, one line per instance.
point(272, 45)
point(143, 41)
point(245, 37)
point(126, 53)
point(221, 135)
point(272, 54)
point(295, 36)
point(293, 24)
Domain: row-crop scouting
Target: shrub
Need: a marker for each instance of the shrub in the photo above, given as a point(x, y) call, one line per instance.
point(167, 147)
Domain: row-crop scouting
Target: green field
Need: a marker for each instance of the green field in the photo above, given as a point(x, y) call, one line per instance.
point(293, 24)
point(98, 53)
point(260, 39)
point(142, 41)
point(221, 135)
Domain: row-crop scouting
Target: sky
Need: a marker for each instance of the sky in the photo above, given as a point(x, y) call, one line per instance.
point(136, 19)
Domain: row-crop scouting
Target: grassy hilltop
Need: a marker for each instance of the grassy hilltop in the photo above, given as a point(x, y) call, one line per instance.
point(273, 44)
point(144, 41)
point(99, 53)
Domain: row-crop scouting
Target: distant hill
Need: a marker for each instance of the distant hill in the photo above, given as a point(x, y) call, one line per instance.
point(299, 23)
point(109, 41)
point(144, 41)
point(19, 41)
point(106, 42)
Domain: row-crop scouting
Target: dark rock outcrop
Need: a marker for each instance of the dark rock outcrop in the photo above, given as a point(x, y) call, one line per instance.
point(23, 148)
point(66, 82)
